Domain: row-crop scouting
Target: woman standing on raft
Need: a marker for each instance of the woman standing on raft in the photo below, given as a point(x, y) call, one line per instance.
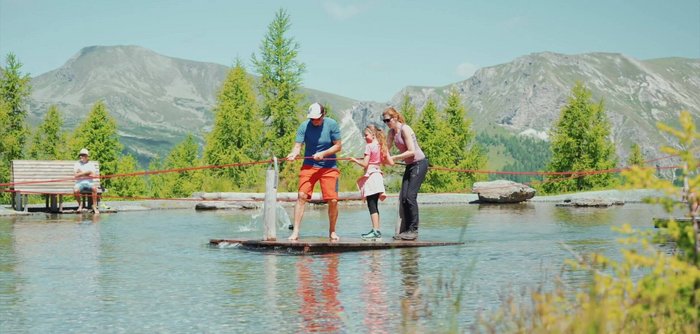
point(402, 136)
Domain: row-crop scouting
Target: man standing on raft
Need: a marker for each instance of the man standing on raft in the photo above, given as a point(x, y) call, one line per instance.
point(321, 138)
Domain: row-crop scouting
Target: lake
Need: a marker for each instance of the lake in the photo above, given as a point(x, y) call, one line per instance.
point(154, 271)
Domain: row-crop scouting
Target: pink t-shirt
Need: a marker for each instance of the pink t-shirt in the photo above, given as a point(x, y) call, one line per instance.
point(375, 156)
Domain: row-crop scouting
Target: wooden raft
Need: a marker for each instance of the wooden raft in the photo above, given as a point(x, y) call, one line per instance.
point(323, 245)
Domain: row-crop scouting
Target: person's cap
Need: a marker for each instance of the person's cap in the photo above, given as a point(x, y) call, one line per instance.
point(315, 111)
point(84, 151)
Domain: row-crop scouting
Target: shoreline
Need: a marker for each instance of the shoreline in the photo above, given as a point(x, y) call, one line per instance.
point(254, 201)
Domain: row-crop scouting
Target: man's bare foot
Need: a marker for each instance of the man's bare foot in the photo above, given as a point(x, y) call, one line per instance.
point(334, 237)
point(294, 236)
point(80, 209)
point(97, 212)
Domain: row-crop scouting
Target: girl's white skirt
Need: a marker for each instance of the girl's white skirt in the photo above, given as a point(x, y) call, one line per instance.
point(372, 182)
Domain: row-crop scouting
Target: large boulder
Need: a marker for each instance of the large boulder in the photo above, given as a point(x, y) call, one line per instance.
point(502, 191)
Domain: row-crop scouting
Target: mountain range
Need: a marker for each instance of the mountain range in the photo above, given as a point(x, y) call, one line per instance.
point(157, 100)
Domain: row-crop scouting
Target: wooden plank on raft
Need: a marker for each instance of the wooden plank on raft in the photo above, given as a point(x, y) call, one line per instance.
point(324, 245)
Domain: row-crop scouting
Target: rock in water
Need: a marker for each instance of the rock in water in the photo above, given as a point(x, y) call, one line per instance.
point(502, 191)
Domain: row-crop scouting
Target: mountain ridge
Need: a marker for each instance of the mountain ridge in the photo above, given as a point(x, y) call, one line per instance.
point(157, 99)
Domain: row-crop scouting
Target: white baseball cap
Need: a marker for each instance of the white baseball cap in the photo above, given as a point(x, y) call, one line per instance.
point(315, 111)
point(84, 151)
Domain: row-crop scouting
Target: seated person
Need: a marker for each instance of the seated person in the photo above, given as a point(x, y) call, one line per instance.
point(84, 172)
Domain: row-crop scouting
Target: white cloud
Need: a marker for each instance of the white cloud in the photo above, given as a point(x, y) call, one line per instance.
point(465, 70)
point(344, 11)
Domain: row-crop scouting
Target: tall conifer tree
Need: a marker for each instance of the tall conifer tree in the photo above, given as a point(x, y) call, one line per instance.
point(14, 92)
point(128, 186)
point(468, 153)
point(437, 142)
point(636, 158)
point(184, 155)
point(280, 80)
point(98, 133)
point(580, 143)
point(237, 132)
point(49, 141)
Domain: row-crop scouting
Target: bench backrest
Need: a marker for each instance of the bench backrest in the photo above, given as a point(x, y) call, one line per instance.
point(58, 175)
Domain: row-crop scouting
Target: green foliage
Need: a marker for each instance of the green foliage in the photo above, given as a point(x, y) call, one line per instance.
point(178, 184)
point(98, 133)
point(635, 158)
point(436, 139)
point(237, 132)
point(447, 140)
point(648, 291)
point(580, 144)
point(14, 91)
point(685, 236)
point(528, 155)
point(128, 186)
point(279, 84)
point(5, 141)
point(49, 141)
point(468, 154)
point(407, 109)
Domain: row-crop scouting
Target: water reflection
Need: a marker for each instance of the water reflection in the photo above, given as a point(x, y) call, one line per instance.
point(67, 253)
point(583, 216)
point(374, 294)
point(321, 311)
point(411, 301)
point(505, 208)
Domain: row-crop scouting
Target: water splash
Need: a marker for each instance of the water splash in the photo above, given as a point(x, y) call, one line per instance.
point(257, 220)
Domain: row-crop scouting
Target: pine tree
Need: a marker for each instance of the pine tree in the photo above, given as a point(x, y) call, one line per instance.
point(280, 80)
point(407, 109)
point(49, 140)
point(14, 91)
point(580, 144)
point(236, 136)
point(468, 154)
point(437, 142)
point(128, 186)
point(5, 141)
point(181, 183)
point(635, 158)
point(98, 133)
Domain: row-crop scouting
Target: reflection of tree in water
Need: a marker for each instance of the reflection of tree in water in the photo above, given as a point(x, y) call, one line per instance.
point(583, 216)
point(374, 294)
point(512, 208)
point(320, 312)
point(411, 301)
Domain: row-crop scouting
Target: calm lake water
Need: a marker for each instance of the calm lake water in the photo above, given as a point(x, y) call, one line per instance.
point(153, 271)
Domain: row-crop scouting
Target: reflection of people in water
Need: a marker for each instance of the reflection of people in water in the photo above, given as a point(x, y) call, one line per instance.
point(374, 295)
point(319, 312)
point(411, 304)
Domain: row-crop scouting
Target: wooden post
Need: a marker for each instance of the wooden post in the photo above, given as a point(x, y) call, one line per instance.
point(399, 217)
point(270, 206)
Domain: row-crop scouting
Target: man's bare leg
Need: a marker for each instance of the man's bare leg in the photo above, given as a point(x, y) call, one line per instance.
point(298, 215)
point(94, 201)
point(332, 219)
point(77, 198)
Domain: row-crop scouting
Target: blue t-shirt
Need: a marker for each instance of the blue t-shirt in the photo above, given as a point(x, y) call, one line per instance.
point(317, 139)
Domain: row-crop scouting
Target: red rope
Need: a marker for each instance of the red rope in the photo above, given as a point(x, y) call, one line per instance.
point(571, 174)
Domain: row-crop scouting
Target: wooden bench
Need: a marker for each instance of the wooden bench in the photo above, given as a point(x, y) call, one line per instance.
point(51, 178)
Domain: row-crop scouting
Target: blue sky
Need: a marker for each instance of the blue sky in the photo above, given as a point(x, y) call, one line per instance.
point(365, 50)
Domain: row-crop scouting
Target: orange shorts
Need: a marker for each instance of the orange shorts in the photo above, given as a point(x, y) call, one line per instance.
point(308, 176)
